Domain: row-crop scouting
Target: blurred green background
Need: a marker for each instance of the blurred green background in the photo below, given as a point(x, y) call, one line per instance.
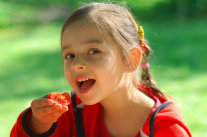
point(31, 63)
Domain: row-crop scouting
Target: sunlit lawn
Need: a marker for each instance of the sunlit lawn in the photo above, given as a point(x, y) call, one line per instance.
point(31, 66)
point(179, 66)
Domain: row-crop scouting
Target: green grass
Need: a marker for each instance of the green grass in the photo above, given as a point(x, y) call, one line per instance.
point(179, 67)
point(31, 67)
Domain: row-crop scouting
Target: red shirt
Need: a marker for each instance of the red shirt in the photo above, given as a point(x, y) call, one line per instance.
point(169, 122)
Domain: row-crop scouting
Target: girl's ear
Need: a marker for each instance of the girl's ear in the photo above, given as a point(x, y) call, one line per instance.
point(135, 59)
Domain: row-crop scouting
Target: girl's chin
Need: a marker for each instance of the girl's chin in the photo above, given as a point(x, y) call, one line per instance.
point(88, 101)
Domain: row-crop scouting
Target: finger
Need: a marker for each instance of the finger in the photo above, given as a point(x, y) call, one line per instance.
point(46, 96)
point(55, 115)
point(59, 107)
point(41, 102)
point(48, 118)
point(50, 114)
point(65, 108)
point(41, 111)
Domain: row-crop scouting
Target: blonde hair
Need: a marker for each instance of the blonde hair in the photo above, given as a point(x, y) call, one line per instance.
point(116, 21)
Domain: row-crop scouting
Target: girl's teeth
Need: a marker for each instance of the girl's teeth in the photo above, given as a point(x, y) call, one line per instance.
point(82, 80)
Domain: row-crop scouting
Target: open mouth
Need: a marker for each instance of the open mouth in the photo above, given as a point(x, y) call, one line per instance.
point(85, 83)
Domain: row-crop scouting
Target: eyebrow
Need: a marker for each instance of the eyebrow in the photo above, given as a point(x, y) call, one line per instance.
point(90, 41)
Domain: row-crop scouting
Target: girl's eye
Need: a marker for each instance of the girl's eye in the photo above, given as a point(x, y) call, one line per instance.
point(69, 56)
point(93, 51)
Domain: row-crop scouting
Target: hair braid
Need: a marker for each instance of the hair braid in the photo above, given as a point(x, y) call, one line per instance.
point(146, 77)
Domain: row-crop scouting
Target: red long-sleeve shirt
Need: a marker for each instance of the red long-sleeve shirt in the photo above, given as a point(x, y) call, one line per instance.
point(169, 122)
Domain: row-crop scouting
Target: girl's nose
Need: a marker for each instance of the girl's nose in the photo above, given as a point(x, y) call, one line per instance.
point(79, 64)
point(80, 67)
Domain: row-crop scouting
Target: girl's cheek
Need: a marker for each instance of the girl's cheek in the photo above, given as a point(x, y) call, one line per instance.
point(102, 62)
point(67, 73)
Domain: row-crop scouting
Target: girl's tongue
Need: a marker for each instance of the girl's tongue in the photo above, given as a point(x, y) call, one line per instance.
point(87, 84)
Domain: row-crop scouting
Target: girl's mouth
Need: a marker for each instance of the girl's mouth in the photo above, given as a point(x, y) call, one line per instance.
point(85, 84)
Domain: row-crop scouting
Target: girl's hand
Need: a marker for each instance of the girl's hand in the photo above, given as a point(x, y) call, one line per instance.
point(44, 113)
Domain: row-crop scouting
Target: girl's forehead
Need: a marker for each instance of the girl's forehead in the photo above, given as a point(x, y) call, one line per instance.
point(84, 31)
point(81, 33)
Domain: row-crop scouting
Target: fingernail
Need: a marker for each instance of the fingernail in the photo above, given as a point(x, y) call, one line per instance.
point(51, 102)
point(58, 106)
point(66, 108)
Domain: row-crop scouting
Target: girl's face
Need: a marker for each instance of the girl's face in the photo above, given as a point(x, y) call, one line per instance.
point(93, 64)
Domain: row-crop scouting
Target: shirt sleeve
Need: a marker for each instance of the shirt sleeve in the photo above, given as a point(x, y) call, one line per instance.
point(170, 128)
point(18, 130)
point(170, 122)
point(21, 129)
point(63, 127)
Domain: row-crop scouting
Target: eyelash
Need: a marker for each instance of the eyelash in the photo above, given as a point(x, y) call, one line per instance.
point(94, 50)
point(66, 57)
point(90, 52)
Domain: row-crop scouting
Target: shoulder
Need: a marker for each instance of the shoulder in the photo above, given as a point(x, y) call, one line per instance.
point(170, 122)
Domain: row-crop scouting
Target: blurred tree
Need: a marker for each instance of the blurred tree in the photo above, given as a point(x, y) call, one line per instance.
point(189, 8)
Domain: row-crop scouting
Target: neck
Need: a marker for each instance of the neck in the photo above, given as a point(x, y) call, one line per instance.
point(117, 102)
point(126, 111)
point(127, 99)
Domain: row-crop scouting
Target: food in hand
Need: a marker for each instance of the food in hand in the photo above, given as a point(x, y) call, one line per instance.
point(63, 98)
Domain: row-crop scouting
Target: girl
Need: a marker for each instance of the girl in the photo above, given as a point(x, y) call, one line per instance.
point(103, 48)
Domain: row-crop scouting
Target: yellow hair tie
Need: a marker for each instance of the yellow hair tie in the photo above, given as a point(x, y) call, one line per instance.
point(140, 31)
point(134, 22)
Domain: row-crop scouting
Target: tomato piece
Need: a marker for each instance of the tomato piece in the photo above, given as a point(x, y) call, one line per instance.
point(63, 98)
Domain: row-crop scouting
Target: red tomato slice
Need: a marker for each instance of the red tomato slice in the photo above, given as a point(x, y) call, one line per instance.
point(63, 98)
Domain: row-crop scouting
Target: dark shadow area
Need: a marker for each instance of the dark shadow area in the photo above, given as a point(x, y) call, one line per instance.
point(33, 12)
point(178, 44)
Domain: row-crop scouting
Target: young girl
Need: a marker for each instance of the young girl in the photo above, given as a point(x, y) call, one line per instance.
point(103, 49)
